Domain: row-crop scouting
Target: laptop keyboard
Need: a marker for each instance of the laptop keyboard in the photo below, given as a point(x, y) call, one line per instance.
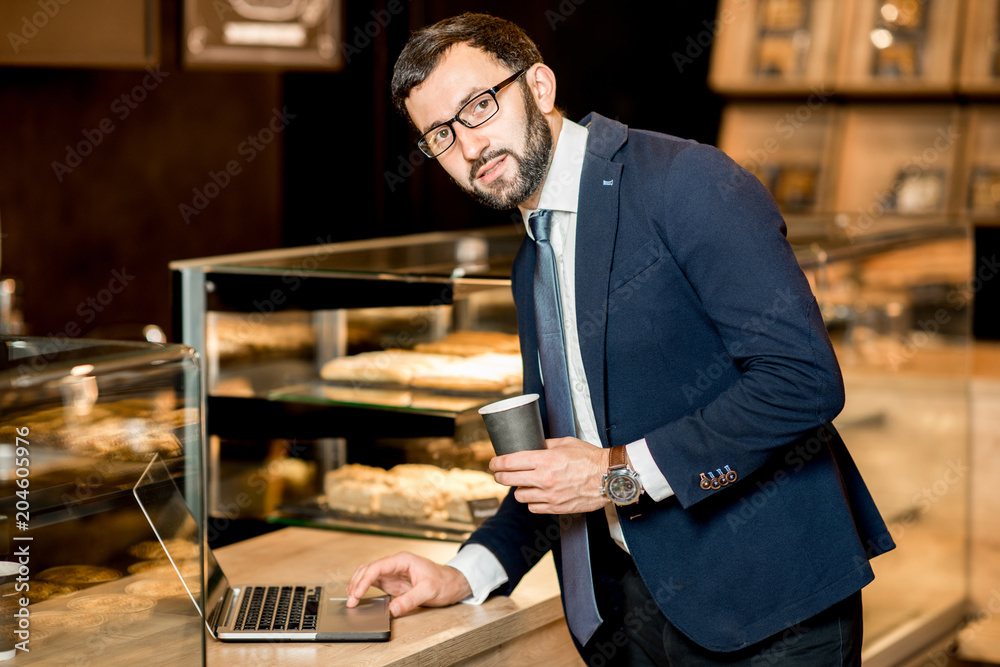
point(278, 608)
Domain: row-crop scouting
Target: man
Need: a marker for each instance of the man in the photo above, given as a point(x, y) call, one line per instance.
point(701, 508)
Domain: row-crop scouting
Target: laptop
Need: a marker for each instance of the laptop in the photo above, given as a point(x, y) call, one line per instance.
point(304, 612)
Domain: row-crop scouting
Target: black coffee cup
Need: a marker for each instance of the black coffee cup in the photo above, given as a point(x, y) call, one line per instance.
point(9, 605)
point(514, 424)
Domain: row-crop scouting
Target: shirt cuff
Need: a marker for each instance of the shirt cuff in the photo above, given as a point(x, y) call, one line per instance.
point(653, 481)
point(482, 570)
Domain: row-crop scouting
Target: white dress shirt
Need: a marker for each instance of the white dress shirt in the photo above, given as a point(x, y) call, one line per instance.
point(560, 194)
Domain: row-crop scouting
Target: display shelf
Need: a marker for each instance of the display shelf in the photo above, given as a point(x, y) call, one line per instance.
point(274, 326)
point(775, 46)
point(898, 166)
point(979, 73)
point(312, 513)
point(979, 179)
point(899, 47)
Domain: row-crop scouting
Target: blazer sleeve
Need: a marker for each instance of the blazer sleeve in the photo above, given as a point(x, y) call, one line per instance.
point(723, 230)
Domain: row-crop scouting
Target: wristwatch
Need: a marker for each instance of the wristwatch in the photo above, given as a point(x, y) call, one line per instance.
point(621, 484)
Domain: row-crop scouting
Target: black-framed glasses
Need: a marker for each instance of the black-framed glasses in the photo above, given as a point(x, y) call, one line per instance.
point(474, 113)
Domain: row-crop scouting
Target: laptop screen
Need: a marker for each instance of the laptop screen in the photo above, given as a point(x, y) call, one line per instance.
point(163, 504)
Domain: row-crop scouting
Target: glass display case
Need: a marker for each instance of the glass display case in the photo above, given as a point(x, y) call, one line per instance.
point(374, 353)
point(79, 421)
point(898, 307)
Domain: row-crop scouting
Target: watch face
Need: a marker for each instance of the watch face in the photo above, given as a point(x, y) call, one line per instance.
point(622, 488)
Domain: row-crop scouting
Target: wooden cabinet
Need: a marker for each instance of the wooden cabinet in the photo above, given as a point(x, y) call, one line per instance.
point(97, 33)
point(980, 67)
point(899, 46)
point(775, 46)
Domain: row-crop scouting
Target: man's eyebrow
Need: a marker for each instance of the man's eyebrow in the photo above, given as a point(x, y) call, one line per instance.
point(465, 100)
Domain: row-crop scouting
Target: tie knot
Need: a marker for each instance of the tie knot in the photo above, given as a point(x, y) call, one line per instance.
point(541, 224)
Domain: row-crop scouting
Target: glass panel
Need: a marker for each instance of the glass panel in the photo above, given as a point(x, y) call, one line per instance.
point(79, 420)
point(476, 254)
point(898, 312)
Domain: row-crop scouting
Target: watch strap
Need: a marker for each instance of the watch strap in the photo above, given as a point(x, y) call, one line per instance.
point(617, 458)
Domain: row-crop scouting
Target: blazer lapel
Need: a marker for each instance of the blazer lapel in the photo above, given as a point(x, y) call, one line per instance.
point(596, 228)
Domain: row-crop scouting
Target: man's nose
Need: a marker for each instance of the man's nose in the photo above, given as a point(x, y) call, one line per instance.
point(472, 142)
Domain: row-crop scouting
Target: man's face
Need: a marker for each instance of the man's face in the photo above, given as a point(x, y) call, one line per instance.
point(502, 162)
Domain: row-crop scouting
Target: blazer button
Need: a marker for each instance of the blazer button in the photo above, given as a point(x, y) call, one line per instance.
point(706, 483)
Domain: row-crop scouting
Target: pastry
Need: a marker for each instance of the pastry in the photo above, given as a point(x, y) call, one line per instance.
point(467, 343)
point(482, 372)
point(65, 620)
point(37, 591)
point(112, 603)
point(161, 567)
point(157, 588)
point(178, 548)
point(392, 366)
point(79, 575)
point(410, 491)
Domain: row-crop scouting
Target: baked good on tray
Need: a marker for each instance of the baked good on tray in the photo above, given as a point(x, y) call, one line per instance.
point(410, 491)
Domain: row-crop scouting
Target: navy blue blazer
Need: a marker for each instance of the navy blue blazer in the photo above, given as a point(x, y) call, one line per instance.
point(700, 333)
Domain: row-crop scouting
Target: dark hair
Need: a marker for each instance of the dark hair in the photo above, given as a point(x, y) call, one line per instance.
point(498, 37)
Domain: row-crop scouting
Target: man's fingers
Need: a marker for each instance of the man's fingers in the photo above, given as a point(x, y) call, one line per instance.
point(407, 602)
point(519, 478)
point(515, 461)
point(354, 595)
point(368, 575)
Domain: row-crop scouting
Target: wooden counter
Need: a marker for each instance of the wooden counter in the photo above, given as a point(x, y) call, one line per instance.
point(526, 628)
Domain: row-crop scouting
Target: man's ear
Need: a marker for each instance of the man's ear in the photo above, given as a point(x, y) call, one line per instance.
point(542, 84)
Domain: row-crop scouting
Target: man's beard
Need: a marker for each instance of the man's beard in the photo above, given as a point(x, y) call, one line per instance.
point(533, 164)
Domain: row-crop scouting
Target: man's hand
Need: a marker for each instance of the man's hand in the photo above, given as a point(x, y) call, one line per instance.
point(412, 580)
point(565, 478)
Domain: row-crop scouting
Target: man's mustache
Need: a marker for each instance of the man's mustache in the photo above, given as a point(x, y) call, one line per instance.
point(478, 164)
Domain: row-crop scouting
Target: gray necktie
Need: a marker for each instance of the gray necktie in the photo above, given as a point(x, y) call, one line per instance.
point(582, 616)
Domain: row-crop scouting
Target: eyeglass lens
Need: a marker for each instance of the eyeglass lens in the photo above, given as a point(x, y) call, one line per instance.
point(473, 114)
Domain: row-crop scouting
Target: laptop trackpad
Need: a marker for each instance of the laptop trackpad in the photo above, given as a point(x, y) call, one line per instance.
point(369, 621)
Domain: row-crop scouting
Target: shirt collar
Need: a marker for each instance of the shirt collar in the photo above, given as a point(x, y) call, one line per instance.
point(561, 190)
